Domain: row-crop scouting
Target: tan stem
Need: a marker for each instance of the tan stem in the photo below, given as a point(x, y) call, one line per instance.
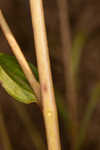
point(19, 55)
point(67, 61)
point(47, 91)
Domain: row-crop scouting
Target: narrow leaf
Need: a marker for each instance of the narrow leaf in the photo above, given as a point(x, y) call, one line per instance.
point(14, 81)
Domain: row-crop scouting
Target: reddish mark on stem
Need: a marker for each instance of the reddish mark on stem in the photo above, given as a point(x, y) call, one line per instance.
point(44, 87)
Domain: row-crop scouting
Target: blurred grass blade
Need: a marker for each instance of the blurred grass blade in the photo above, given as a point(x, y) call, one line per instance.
point(64, 114)
point(14, 81)
point(3, 133)
point(88, 115)
point(77, 51)
point(33, 132)
point(61, 107)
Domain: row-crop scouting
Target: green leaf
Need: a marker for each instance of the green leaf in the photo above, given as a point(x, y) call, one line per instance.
point(14, 81)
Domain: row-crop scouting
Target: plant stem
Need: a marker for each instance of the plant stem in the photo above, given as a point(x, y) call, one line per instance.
point(67, 61)
point(19, 55)
point(47, 91)
point(3, 133)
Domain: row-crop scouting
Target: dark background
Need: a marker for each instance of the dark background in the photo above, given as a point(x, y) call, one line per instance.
point(83, 17)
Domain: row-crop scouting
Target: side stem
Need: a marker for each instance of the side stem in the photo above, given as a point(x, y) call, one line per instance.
point(19, 55)
point(47, 91)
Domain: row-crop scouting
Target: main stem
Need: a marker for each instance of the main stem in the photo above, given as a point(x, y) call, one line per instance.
point(47, 91)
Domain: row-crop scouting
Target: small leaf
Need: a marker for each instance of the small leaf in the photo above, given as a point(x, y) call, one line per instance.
point(14, 81)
